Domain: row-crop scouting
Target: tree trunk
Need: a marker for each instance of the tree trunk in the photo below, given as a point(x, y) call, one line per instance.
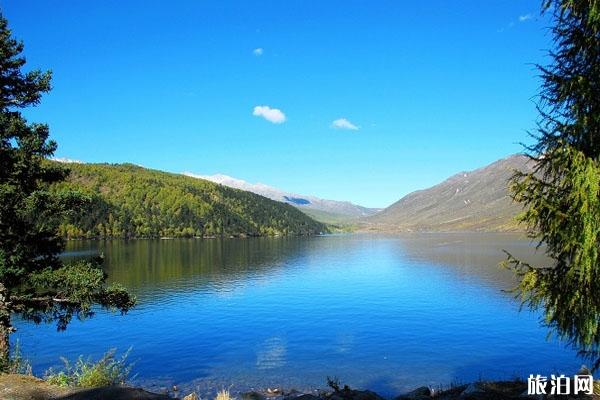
point(5, 328)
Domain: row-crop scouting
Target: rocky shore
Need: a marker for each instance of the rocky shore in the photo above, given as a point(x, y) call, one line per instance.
point(23, 387)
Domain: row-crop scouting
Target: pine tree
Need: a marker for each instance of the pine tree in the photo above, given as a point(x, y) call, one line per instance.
point(561, 197)
point(33, 280)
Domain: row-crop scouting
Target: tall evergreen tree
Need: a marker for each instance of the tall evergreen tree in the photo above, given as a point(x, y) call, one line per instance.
point(562, 196)
point(33, 281)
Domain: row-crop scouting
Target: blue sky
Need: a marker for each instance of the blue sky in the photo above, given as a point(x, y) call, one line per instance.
point(419, 90)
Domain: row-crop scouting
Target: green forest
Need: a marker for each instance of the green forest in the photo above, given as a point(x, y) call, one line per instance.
point(128, 201)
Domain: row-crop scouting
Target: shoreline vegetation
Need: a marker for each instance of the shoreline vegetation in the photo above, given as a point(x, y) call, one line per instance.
point(109, 376)
point(29, 387)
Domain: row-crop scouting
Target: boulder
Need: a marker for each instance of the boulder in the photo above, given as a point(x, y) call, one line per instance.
point(472, 389)
point(349, 394)
point(115, 393)
point(23, 387)
point(274, 392)
point(422, 392)
point(584, 370)
point(307, 397)
point(292, 394)
point(253, 396)
point(526, 394)
point(192, 396)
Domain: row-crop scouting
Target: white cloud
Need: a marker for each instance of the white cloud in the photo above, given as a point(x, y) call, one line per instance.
point(258, 51)
point(343, 123)
point(273, 115)
point(65, 160)
point(523, 18)
point(520, 19)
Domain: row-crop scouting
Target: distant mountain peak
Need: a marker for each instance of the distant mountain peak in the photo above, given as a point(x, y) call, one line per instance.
point(303, 202)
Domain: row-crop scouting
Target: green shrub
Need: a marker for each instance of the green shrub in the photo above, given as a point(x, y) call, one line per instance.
point(17, 363)
point(109, 370)
point(58, 379)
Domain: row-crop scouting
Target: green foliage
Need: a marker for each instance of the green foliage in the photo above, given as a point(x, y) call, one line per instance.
point(29, 214)
point(130, 201)
point(70, 290)
point(562, 195)
point(86, 373)
point(17, 363)
point(18, 89)
point(564, 213)
point(33, 280)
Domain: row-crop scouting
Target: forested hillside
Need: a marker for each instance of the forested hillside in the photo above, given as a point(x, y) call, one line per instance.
point(131, 201)
point(326, 211)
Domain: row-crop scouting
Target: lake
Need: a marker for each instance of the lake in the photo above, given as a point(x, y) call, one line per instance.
point(387, 313)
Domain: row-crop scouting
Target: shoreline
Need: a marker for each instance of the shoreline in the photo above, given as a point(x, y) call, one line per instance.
point(27, 387)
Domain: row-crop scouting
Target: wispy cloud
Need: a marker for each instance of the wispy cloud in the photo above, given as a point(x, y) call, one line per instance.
point(273, 115)
point(519, 20)
point(65, 160)
point(523, 18)
point(258, 51)
point(343, 123)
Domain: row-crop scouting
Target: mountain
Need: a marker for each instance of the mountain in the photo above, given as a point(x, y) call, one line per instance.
point(477, 200)
point(132, 201)
point(327, 211)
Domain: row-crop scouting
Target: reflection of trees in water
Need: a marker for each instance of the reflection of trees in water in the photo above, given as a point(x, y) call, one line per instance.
point(155, 267)
point(185, 264)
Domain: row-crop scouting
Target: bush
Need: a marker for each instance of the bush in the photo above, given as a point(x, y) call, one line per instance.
point(17, 363)
point(85, 373)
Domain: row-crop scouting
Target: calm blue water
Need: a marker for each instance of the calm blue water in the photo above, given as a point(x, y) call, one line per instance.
point(386, 313)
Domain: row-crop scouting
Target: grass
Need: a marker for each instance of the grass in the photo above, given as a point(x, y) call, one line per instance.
point(17, 363)
point(223, 394)
point(86, 373)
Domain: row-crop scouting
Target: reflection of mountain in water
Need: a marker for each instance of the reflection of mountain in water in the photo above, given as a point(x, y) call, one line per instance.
point(378, 311)
point(472, 254)
point(153, 268)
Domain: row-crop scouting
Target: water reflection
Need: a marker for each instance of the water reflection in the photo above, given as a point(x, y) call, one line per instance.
point(271, 353)
point(190, 264)
point(379, 312)
point(472, 255)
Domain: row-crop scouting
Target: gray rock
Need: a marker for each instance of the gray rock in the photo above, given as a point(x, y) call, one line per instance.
point(531, 396)
point(422, 392)
point(584, 370)
point(253, 396)
point(472, 389)
point(292, 394)
point(307, 397)
point(115, 393)
point(349, 394)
